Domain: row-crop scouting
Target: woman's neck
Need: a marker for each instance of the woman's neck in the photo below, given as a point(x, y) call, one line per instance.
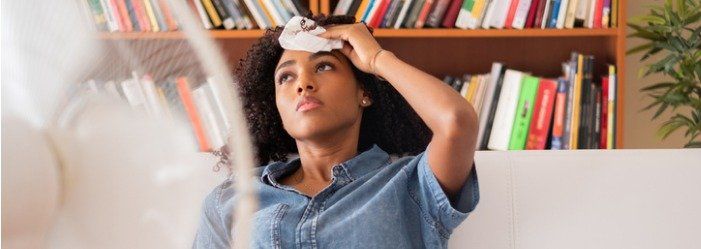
point(317, 159)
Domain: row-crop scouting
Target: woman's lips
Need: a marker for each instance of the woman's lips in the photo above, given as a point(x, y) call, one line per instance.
point(308, 106)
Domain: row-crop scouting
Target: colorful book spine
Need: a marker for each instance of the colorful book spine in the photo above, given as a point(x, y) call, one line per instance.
point(559, 115)
point(192, 113)
point(604, 112)
point(574, 124)
point(611, 119)
point(506, 111)
point(524, 112)
point(542, 114)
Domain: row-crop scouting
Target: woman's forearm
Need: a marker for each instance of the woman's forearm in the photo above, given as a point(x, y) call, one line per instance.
point(439, 105)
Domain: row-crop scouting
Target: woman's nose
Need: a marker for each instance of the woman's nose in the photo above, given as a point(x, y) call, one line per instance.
point(306, 83)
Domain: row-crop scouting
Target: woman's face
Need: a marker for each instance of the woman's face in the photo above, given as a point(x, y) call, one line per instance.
point(316, 94)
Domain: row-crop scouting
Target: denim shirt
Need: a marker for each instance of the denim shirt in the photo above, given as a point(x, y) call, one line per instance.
point(372, 202)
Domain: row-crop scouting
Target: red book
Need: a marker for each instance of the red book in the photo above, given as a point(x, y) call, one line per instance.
point(597, 13)
point(192, 113)
point(543, 111)
point(604, 111)
point(140, 11)
point(423, 14)
point(124, 15)
point(115, 8)
point(452, 15)
point(540, 12)
point(510, 15)
point(530, 19)
point(379, 14)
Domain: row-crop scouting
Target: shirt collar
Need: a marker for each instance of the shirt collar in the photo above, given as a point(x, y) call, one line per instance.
point(353, 168)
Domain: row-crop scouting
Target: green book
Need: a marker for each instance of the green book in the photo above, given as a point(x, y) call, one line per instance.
point(524, 111)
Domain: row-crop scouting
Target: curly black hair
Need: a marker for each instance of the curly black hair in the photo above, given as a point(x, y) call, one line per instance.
point(389, 122)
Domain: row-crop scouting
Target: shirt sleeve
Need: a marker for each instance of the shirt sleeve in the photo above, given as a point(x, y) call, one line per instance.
point(212, 231)
point(436, 202)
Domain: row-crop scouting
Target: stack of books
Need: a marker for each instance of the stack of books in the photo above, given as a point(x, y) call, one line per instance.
point(517, 110)
point(473, 14)
point(175, 98)
point(155, 15)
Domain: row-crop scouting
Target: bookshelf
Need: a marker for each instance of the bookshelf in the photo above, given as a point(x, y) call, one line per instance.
point(442, 51)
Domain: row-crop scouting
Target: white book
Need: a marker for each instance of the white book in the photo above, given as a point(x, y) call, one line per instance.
point(611, 108)
point(506, 111)
point(463, 17)
point(545, 18)
point(208, 118)
point(133, 93)
point(521, 15)
point(277, 17)
point(216, 91)
point(222, 124)
point(244, 18)
point(490, 92)
point(153, 104)
point(589, 20)
point(257, 14)
point(571, 8)
point(582, 11)
point(561, 14)
point(487, 18)
point(402, 14)
point(203, 15)
point(110, 15)
point(500, 13)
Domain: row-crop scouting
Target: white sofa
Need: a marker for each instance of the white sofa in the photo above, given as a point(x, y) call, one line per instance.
point(585, 199)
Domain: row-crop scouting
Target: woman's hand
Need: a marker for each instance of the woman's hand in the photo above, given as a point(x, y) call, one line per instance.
point(363, 46)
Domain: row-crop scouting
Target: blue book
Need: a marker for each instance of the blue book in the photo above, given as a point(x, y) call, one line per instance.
point(132, 15)
point(556, 139)
point(367, 11)
point(554, 12)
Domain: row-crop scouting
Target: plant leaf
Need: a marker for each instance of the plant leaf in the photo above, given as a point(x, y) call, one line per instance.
point(658, 86)
point(639, 48)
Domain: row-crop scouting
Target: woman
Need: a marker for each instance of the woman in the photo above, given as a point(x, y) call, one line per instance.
point(344, 190)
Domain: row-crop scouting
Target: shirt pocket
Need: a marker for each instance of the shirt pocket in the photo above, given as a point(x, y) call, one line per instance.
point(267, 226)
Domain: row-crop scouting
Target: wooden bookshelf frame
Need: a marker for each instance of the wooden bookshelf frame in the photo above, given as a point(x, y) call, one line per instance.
point(608, 45)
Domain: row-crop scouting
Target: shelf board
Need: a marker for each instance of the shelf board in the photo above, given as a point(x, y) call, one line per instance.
point(384, 33)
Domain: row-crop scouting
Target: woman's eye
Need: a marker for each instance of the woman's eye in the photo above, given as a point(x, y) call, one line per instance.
point(323, 67)
point(284, 78)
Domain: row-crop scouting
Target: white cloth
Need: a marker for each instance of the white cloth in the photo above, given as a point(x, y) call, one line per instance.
point(293, 37)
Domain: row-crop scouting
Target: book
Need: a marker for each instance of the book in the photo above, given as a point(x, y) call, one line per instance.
point(403, 13)
point(595, 133)
point(554, 13)
point(611, 119)
point(506, 111)
point(522, 9)
point(413, 15)
point(542, 114)
point(185, 93)
point(167, 14)
point(98, 15)
point(362, 9)
point(576, 98)
point(451, 14)
point(227, 17)
point(570, 15)
point(270, 13)
point(210, 124)
point(202, 13)
point(532, 11)
point(391, 14)
point(562, 14)
point(556, 142)
point(437, 13)
point(491, 96)
point(380, 14)
point(464, 14)
point(606, 14)
point(604, 112)
point(587, 112)
point(257, 13)
point(151, 16)
point(511, 13)
point(132, 15)
point(423, 14)
point(524, 112)
point(354, 7)
point(158, 12)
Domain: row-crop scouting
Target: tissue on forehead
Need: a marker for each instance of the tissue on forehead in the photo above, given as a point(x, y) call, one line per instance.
point(301, 33)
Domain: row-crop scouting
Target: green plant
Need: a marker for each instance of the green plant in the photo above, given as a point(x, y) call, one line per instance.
point(674, 31)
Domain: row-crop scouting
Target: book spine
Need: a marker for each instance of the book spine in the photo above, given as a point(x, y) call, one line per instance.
point(150, 14)
point(452, 15)
point(524, 112)
point(403, 13)
point(192, 113)
point(478, 12)
point(554, 13)
point(132, 15)
point(511, 13)
point(542, 4)
point(561, 14)
point(545, 15)
point(98, 15)
point(364, 6)
point(606, 14)
point(596, 124)
point(380, 14)
point(464, 14)
point(423, 14)
point(436, 15)
point(598, 12)
point(576, 98)
point(571, 8)
point(265, 12)
point(611, 132)
point(207, 116)
point(604, 112)
point(491, 89)
point(273, 12)
point(521, 14)
point(532, 12)
point(586, 116)
point(559, 115)
point(211, 12)
point(111, 16)
point(227, 18)
point(410, 21)
point(141, 16)
point(614, 13)
point(391, 13)
point(506, 111)
point(542, 114)
point(257, 14)
point(160, 17)
point(170, 20)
